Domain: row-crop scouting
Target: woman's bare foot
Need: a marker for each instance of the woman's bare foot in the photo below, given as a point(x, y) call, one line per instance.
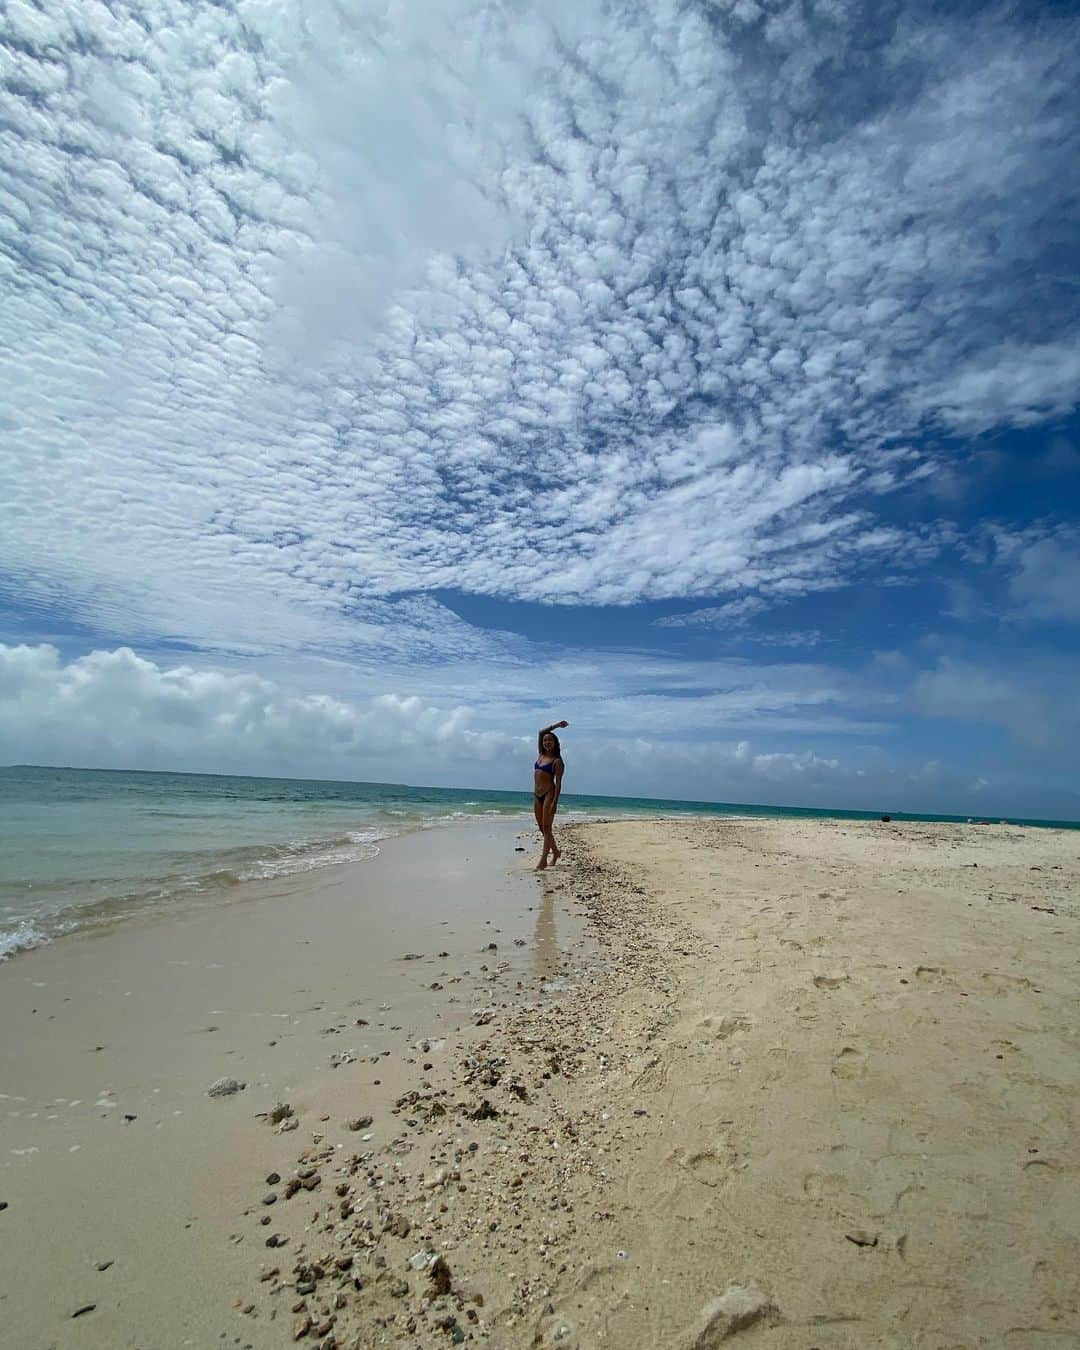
point(556, 854)
point(541, 865)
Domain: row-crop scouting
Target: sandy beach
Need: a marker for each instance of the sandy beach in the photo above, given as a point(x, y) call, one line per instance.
point(792, 1083)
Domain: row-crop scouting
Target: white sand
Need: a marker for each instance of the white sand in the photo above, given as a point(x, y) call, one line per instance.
point(821, 1092)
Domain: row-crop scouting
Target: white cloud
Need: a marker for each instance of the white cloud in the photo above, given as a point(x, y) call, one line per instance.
point(733, 613)
point(1008, 385)
point(308, 310)
point(734, 618)
point(1045, 572)
point(1034, 701)
point(114, 708)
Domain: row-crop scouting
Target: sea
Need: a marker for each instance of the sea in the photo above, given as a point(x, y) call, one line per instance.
point(80, 848)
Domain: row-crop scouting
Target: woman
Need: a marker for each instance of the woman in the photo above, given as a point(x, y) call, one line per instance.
point(547, 776)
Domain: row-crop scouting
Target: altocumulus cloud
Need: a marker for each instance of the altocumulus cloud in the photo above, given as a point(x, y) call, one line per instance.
point(311, 313)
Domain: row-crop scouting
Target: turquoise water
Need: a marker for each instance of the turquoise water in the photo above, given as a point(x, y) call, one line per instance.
point(82, 846)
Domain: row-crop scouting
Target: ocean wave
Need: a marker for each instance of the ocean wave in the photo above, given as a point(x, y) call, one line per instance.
point(196, 875)
point(20, 939)
point(312, 858)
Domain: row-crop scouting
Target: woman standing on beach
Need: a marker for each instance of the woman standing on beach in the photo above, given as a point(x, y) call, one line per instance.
point(547, 784)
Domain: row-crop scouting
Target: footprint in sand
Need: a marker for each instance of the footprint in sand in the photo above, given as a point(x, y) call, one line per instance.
point(1006, 984)
point(722, 1028)
point(653, 1076)
point(849, 1063)
point(710, 1166)
point(935, 976)
point(1041, 1167)
point(822, 1185)
point(830, 981)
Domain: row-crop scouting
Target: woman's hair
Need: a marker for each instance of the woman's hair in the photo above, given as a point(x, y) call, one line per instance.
point(540, 744)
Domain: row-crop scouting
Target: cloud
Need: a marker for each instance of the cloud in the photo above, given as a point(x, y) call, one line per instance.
point(1010, 385)
point(1035, 703)
point(734, 617)
point(1045, 572)
point(310, 314)
point(733, 613)
point(115, 709)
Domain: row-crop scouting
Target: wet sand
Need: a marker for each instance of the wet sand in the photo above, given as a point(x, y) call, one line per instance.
point(795, 1084)
point(111, 1152)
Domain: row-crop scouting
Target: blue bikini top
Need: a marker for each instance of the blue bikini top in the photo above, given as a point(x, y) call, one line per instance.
point(545, 768)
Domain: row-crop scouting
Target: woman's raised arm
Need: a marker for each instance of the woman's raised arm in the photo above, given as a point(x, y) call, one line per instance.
point(544, 731)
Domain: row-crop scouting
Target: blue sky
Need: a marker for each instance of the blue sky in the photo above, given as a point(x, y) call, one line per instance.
point(377, 383)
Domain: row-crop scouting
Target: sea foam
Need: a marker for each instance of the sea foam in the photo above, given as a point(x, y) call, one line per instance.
point(19, 939)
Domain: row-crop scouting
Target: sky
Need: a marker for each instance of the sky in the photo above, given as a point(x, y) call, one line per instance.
point(379, 382)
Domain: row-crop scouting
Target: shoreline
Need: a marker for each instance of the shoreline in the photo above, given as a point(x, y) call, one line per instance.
point(362, 841)
point(779, 1080)
point(111, 1152)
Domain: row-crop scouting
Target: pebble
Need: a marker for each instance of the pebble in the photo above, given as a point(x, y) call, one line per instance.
point(86, 1308)
point(862, 1238)
point(273, 1178)
point(225, 1087)
point(439, 1273)
point(104, 1265)
point(282, 1111)
point(270, 1199)
point(359, 1123)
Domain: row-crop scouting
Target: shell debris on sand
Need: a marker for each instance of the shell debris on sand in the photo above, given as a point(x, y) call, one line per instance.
point(601, 1159)
point(489, 1167)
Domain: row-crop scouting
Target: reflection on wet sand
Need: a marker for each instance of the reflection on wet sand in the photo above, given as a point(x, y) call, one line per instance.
point(546, 947)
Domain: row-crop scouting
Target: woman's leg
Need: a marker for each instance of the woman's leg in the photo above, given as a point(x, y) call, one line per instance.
point(549, 828)
point(539, 805)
